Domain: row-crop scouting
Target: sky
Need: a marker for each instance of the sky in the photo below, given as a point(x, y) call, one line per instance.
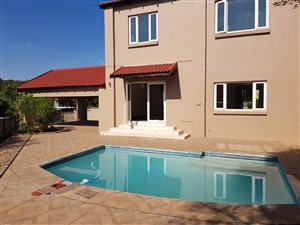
point(40, 35)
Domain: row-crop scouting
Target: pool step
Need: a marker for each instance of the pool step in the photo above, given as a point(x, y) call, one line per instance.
point(147, 130)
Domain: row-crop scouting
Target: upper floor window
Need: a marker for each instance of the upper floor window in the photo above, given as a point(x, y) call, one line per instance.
point(143, 28)
point(241, 15)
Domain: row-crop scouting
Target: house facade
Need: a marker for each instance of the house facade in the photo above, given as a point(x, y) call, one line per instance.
point(226, 69)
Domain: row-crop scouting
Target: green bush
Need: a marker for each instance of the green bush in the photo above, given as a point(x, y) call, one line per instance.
point(8, 95)
point(34, 113)
point(4, 107)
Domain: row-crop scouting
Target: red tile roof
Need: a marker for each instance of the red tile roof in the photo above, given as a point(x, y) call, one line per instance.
point(145, 71)
point(72, 77)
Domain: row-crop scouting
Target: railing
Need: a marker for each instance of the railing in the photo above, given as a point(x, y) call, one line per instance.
point(8, 126)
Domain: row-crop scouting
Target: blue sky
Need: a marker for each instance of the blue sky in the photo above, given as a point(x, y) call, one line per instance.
point(39, 35)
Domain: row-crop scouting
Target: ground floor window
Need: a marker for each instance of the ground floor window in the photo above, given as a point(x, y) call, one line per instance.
point(240, 96)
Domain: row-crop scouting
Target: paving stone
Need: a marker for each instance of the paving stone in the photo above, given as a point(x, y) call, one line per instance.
point(101, 206)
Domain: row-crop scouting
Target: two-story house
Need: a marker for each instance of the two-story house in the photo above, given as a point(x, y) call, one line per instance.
point(226, 68)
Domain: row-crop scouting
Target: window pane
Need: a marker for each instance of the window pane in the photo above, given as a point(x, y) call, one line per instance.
point(220, 103)
point(258, 191)
point(143, 28)
point(239, 96)
point(238, 188)
point(156, 97)
point(221, 8)
point(260, 96)
point(241, 15)
point(219, 186)
point(262, 6)
point(133, 29)
point(153, 27)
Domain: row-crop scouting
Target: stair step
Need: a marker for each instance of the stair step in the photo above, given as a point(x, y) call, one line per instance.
point(153, 128)
point(176, 137)
point(149, 124)
point(148, 127)
point(146, 131)
point(124, 126)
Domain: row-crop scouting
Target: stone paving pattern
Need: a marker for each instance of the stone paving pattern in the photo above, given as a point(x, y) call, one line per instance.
point(99, 206)
point(9, 149)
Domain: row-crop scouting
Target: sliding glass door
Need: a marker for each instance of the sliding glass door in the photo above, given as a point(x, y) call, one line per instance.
point(145, 101)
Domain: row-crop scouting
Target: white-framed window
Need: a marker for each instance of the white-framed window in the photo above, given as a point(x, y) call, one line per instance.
point(241, 15)
point(242, 186)
point(143, 28)
point(251, 96)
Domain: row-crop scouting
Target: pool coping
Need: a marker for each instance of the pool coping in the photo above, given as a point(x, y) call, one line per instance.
point(262, 158)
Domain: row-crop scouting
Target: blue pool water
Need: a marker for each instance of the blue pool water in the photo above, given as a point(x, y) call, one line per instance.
point(211, 177)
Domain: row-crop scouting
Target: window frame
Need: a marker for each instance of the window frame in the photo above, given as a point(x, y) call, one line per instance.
point(246, 174)
point(256, 17)
point(254, 88)
point(137, 28)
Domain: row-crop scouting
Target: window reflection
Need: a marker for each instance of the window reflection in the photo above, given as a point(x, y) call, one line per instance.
point(238, 187)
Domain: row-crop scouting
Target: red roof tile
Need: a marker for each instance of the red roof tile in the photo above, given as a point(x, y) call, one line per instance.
point(144, 71)
point(72, 77)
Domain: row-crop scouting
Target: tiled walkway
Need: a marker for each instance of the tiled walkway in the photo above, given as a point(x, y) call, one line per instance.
point(9, 149)
point(79, 204)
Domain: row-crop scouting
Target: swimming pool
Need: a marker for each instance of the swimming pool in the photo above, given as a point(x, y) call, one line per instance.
point(206, 177)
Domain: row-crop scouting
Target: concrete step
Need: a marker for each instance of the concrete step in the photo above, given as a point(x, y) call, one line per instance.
point(138, 127)
point(146, 127)
point(149, 124)
point(145, 131)
point(175, 137)
point(124, 126)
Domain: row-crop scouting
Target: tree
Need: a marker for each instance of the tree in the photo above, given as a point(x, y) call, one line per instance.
point(4, 106)
point(294, 3)
point(34, 113)
point(8, 95)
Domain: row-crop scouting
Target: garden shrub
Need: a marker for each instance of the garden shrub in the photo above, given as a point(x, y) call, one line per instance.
point(34, 113)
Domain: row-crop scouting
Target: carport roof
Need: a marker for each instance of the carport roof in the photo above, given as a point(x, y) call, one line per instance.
point(71, 77)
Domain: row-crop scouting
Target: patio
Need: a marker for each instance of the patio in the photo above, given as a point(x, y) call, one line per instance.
point(79, 204)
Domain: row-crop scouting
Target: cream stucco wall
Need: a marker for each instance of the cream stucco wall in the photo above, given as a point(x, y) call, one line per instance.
point(106, 99)
point(272, 57)
point(93, 114)
point(178, 42)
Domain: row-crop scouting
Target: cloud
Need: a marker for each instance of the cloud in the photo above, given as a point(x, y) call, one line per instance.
point(28, 44)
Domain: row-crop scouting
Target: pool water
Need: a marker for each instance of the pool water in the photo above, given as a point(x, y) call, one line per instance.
point(186, 176)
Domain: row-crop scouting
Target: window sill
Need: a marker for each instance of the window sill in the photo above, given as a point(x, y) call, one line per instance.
point(246, 112)
point(243, 33)
point(138, 45)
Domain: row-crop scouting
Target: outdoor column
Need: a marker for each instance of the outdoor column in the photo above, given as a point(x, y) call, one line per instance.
point(82, 109)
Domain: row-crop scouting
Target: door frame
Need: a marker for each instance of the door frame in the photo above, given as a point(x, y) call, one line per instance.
point(128, 103)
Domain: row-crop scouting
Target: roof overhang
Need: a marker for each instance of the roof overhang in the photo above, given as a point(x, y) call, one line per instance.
point(112, 3)
point(144, 71)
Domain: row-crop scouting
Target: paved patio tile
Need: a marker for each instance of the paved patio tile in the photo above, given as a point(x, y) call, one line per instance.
point(64, 206)
point(9, 149)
